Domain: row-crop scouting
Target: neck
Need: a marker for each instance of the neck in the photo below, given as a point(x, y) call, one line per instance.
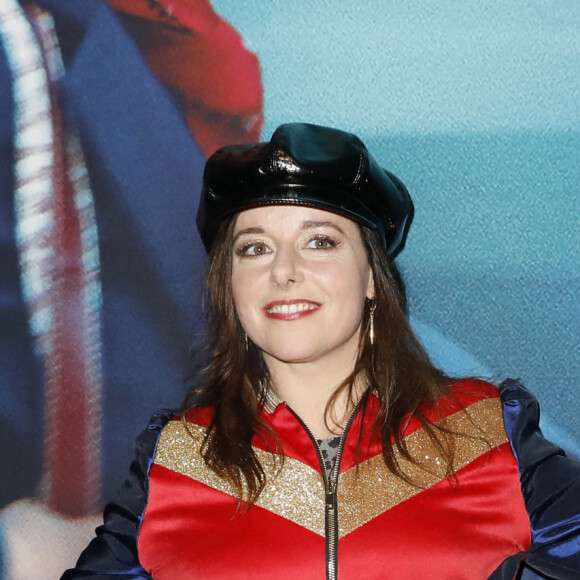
point(307, 389)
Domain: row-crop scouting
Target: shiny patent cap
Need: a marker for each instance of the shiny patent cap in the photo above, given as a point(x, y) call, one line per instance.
point(307, 165)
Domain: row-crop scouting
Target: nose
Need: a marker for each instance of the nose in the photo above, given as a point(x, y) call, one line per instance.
point(286, 268)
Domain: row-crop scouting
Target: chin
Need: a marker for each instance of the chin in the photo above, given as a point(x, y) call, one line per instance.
point(293, 357)
point(304, 354)
point(303, 349)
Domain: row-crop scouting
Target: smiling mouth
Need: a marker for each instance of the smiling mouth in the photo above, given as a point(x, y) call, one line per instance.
point(290, 310)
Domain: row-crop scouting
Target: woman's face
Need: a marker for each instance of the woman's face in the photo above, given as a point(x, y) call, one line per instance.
point(300, 277)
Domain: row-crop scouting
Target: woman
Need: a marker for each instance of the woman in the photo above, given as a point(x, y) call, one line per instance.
point(323, 441)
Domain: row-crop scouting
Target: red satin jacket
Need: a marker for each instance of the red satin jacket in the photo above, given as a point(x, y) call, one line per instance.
point(501, 512)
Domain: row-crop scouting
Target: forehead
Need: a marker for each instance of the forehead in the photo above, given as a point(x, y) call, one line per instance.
point(290, 216)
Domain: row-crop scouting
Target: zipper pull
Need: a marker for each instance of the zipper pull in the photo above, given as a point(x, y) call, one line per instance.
point(331, 497)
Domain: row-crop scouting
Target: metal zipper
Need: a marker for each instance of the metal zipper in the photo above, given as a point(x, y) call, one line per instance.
point(330, 487)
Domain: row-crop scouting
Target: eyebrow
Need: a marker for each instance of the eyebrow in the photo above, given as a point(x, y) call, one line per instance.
point(306, 225)
point(320, 224)
point(252, 230)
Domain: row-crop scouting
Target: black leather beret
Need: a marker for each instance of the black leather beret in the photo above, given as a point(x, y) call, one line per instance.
point(306, 165)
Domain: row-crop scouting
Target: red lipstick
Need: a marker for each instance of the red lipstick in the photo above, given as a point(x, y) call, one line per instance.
point(290, 309)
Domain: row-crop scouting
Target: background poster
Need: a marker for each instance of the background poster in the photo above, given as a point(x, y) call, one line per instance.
point(475, 107)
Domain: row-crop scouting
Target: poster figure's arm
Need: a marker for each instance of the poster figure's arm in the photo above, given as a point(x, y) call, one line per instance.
point(203, 62)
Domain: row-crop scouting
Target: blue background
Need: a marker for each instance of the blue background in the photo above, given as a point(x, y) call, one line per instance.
point(476, 106)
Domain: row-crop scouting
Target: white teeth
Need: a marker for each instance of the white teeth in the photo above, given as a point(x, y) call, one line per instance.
point(291, 308)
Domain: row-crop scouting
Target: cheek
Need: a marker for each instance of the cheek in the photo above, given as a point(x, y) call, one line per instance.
point(239, 291)
point(243, 293)
point(347, 281)
point(241, 284)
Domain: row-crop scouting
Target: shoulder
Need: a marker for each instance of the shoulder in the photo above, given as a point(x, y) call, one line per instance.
point(519, 404)
point(462, 395)
point(158, 420)
point(467, 391)
point(550, 485)
point(134, 492)
point(199, 415)
point(114, 552)
point(521, 413)
point(469, 408)
point(147, 441)
point(181, 438)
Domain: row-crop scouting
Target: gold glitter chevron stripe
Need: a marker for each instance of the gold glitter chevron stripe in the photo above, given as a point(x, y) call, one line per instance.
point(295, 493)
point(374, 489)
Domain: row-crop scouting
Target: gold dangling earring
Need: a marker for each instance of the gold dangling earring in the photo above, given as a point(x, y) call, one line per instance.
point(246, 341)
point(372, 323)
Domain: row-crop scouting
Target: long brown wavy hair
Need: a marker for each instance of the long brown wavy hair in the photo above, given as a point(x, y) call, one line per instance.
point(396, 369)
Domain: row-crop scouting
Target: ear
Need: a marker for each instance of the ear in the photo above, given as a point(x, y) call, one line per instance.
point(371, 285)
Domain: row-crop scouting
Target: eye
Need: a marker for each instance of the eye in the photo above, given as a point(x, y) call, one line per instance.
point(321, 243)
point(253, 249)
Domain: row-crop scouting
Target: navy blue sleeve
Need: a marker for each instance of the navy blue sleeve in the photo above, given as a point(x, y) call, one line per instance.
point(113, 553)
point(550, 484)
